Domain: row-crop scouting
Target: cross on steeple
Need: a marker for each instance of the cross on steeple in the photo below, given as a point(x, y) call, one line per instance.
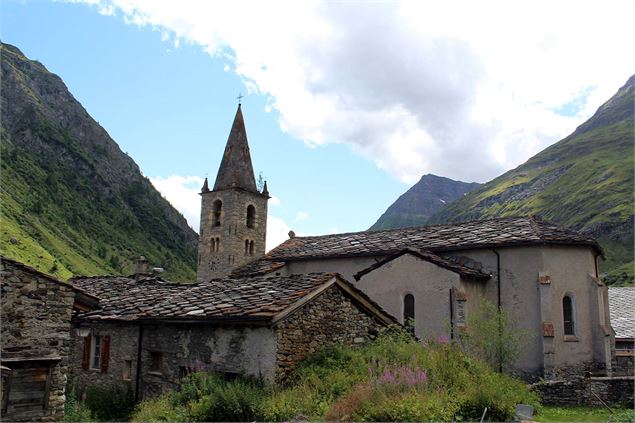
point(239, 98)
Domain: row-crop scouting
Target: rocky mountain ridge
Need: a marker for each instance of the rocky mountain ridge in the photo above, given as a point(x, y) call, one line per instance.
point(72, 201)
point(430, 194)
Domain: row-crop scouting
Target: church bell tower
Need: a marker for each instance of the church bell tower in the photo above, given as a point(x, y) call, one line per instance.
point(234, 213)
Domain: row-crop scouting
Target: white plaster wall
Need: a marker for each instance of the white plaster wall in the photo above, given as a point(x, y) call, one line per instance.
point(428, 283)
point(570, 268)
point(346, 267)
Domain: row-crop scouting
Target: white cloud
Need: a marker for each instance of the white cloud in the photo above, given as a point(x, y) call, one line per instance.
point(460, 89)
point(277, 232)
point(274, 201)
point(182, 192)
point(300, 216)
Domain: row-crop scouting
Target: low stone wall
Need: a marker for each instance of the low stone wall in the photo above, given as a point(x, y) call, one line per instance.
point(582, 391)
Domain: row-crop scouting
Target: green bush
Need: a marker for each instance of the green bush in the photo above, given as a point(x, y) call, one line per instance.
point(113, 403)
point(162, 409)
point(75, 410)
point(236, 401)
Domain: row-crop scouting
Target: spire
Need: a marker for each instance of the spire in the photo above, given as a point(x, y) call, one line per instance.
point(205, 186)
point(265, 190)
point(235, 169)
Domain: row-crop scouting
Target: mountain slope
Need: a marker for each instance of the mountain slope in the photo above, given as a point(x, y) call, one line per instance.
point(421, 201)
point(71, 201)
point(585, 181)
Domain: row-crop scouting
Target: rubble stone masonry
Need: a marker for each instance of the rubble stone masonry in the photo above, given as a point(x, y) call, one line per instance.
point(332, 318)
point(35, 339)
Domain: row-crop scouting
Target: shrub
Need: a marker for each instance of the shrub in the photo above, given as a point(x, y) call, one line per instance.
point(76, 411)
point(236, 401)
point(113, 403)
point(161, 409)
point(492, 336)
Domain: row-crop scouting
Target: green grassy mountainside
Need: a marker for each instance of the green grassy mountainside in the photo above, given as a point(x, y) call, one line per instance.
point(71, 201)
point(585, 182)
point(421, 201)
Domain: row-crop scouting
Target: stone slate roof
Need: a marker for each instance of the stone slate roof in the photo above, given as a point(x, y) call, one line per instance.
point(622, 311)
point(255, 299)
point(464, 271)
point(256, 268)
point(494, 233)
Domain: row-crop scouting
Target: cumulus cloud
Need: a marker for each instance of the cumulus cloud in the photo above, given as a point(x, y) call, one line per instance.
point(459, 89)
point(182, 192)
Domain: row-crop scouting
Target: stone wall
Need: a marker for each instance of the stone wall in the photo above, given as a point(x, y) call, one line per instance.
point(231, 234)
point(36, 323)
point(582, 391)
point(123, 347)
point(624, 363)
point(331, 318)
point(181, 348)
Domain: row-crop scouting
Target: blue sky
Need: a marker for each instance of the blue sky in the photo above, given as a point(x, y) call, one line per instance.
point(346, 104)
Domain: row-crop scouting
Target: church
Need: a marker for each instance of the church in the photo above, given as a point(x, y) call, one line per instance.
point(257, 313)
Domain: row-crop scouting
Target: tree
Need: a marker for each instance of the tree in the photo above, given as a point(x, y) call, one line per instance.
point(491, 335)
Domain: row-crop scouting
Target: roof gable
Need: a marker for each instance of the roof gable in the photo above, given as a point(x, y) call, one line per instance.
point(429, 257)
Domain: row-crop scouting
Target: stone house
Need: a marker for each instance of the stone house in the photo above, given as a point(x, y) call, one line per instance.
point(36, 341)
point(622, 307)
point(149, 333)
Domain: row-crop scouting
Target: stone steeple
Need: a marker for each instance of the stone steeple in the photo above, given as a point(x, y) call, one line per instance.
point(234, 214)
point(236, 170)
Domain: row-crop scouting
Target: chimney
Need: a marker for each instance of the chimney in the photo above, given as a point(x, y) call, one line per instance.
point(141, 268)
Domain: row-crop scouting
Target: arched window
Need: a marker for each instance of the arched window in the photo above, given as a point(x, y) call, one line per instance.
point(246, 246)
point(568, 315)
point(215, 244)
point(251, 216)
point(218, 206)
point(409, 312)
point(251, 248)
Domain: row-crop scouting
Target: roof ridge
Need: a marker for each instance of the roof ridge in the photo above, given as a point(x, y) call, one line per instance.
point(412, 227)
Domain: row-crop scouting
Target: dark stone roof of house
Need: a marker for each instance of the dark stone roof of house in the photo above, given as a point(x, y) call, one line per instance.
point(236, 170)
point(249, 300)
point(464, 271)
point(494, 233)
point(622, 311)
point(256, 268)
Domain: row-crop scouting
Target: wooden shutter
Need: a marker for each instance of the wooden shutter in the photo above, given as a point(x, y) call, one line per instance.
point(105, 353)
point(86, 356)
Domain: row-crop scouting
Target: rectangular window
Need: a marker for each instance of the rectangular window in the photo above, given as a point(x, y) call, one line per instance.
point(127, 369)
point(156, 361)
point(95, 353)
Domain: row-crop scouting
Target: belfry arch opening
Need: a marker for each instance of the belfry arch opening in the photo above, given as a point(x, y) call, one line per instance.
point(251, 216)
point(216, 213)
